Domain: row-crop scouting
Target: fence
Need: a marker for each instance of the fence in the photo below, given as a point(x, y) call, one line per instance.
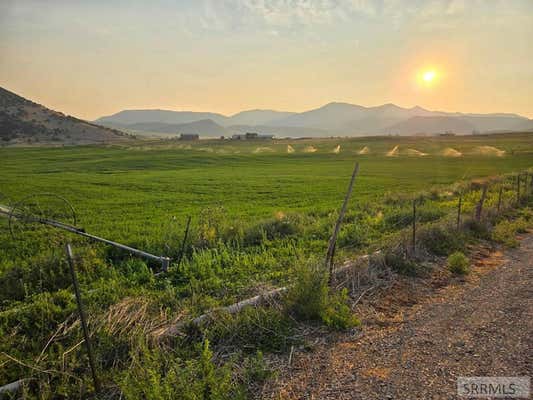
point(503, 192)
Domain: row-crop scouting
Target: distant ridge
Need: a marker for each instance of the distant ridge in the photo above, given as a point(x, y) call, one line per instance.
point(23, 121)
point(332, 119)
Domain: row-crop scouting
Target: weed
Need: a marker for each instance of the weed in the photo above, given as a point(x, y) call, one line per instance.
point(311, 299)
point(458, 263)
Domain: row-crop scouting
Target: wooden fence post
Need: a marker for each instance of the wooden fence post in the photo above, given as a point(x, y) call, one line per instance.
point(459, 211)
point(333, 238)
point(500, 199)
point(83, 318)
point(479, 207)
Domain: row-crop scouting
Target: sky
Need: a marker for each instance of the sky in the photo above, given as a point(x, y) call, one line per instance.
point(95, 58)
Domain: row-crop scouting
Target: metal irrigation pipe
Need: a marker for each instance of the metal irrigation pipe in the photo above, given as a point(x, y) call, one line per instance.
point(165, 261)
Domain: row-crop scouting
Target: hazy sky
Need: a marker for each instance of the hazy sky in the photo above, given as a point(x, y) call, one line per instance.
point(94, 58)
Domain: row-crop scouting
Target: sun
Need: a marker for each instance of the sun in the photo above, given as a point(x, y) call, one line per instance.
point(429, 76)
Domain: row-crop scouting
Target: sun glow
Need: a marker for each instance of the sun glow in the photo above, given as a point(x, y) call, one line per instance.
point(429, 76)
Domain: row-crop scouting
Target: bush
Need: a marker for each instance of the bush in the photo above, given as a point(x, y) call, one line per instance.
point(274, 228)
point(458, 263)
point(311, 299)
point(401, 264)
point(442, 241)
point(505, 232)
point(253, 328)
point(156, 375)
point(477, 229)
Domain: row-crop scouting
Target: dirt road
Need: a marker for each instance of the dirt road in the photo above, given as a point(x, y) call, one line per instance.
point(417, 339)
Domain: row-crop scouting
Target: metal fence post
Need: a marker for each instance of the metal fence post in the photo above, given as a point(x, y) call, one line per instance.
point(414, 227)
point(518, 188)
point(479, 207)
point(183, 243)
point(83, 318)
point(500, 199)
point(459, 211)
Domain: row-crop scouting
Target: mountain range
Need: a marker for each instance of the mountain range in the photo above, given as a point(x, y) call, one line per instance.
point(338, 119)
point(23, 121)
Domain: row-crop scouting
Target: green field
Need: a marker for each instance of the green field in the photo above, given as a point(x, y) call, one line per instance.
point(257, 212)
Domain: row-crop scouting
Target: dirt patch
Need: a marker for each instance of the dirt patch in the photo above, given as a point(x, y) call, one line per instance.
point(290, 149)
point(310, 149)
point(337, 149)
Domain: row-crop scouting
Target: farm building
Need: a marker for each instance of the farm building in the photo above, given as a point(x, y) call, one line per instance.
point(251, 136)
point(189, 136)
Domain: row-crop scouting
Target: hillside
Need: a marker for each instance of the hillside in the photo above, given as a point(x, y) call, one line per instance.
point(204, 127)
point(431, 125)
point(333, 119)
point(23, 121)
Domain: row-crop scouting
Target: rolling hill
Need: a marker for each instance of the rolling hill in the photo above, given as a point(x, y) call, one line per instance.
point(23, 121)
point(333, 119)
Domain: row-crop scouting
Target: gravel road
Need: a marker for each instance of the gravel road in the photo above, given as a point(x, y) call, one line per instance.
point(418, 338)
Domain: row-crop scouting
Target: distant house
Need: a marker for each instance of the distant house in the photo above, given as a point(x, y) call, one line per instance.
point(251, 136)
point(189, 136)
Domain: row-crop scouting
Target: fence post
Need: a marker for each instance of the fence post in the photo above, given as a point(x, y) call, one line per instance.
point(459, 211)
point(479, 207)
point(518, 188)
point(414, 227)
point(83, 318)
point(500, 199)
point(333, 239)
point(185, 235)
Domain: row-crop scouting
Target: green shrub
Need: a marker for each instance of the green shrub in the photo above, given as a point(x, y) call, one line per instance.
point(337, 313)
point(400, 264)
point(158, 375)
point(442, 241)
point(311, 299)
point(505, 232)
point(253, 328)
point(477, 229)
point(283, 225)
point(458, 263)
point(353, 235)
